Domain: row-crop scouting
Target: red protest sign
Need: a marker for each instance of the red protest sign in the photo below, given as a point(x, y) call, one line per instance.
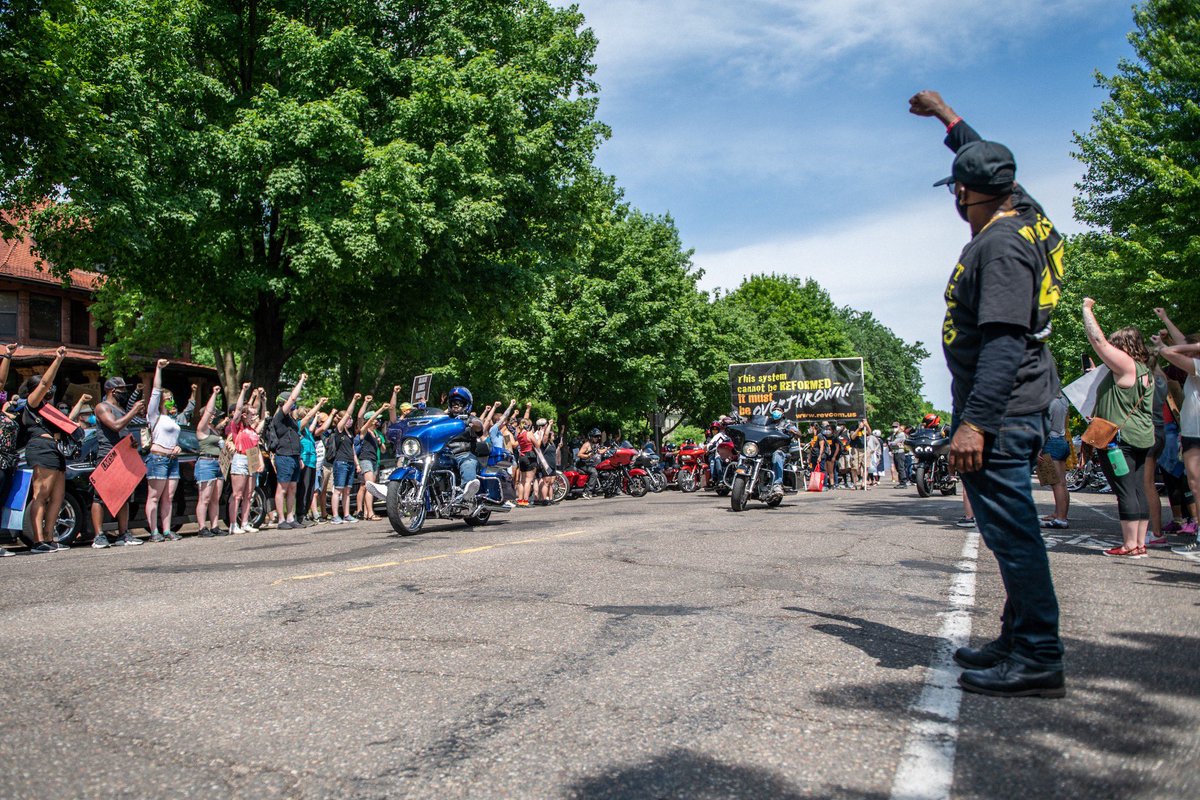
point(57, 419)
point(118, 475)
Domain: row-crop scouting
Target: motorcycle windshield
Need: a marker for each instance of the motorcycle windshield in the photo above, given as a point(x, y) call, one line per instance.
point(768, 437)
point(434, 432)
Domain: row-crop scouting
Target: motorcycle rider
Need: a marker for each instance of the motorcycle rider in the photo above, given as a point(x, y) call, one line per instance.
point(462, 447)
point(716, 464)
point(779, 456)
point(588, 458)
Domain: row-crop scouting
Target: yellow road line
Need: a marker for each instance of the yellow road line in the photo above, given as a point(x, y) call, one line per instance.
point(388, 564)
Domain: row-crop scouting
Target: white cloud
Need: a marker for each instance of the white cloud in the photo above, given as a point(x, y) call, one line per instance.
point(780, 40)
point(893, 264)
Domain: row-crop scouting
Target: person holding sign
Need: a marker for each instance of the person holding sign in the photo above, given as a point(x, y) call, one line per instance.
point(41, 436)
point(111, 428)
point(999, 298)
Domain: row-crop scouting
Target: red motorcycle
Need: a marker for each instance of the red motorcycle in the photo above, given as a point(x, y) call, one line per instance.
point(689, 462)
point(616, 475)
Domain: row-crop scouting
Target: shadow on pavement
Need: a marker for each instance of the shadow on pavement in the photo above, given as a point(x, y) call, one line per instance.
point(892, 648)
point(688, 775)
point(1119, 719)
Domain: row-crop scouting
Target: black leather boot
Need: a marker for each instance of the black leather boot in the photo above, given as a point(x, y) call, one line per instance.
point(1013, 679)
point(985, 657)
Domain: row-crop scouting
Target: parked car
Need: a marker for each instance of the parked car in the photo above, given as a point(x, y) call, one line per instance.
point(74, 518)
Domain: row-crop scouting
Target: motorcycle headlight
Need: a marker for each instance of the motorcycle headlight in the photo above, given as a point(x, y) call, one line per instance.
point(411, 448)
point(750, 449)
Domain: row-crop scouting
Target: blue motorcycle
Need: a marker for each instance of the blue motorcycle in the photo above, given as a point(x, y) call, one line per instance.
point(425, 482)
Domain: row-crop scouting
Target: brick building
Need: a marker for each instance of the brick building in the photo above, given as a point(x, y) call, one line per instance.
point(41, 313)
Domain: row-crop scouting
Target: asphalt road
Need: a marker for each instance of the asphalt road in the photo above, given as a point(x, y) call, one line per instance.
point(662, 647)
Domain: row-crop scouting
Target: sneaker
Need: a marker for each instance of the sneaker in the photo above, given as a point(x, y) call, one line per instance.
point(336, 521)
point(43, 547)
point(101, 542)
point(5, 552)
point(127, 539)
point(522, 504)
point(249, 529)
point(1187, 549)
point(157, 537)
point(1172, 527)
point(1131, 552)
point(206, 533)
point(1157, 541)
point(377, 490)
point(1188, 527)
point(966, 522)
point(471, 488)
point(219, 531)
point(235, 528)
point(285, 526)
point(1058, 524)
point(172, 536)
point(60, 546)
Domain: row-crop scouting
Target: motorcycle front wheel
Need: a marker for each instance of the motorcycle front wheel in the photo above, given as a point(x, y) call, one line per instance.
point(637, 486)
point(687, 481)
point(738, 493)
point(405, 510)
point(656, 482)
point(561, 488)
point(922, 480)
point(1075, 479)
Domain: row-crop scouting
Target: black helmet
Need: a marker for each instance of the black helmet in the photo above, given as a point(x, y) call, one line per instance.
point(594, 434)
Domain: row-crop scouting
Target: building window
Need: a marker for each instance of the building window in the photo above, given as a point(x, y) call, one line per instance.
point(45, 318)
point(81, 331)
point(8, 316)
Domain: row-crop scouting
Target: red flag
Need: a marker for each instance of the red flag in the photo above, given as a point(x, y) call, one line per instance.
point(118, 475)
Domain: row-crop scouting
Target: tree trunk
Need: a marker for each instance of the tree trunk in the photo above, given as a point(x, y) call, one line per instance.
point(269, 353)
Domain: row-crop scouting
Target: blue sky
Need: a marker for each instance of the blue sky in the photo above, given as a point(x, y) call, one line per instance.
point(776, 132)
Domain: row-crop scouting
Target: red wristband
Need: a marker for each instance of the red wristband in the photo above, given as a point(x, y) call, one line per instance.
point(953, 122)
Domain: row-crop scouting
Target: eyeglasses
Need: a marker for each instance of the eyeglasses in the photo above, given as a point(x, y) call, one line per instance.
point(951, 186)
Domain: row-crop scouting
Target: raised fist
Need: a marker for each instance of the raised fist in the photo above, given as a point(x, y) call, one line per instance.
point(61, 352)
point(163, 363)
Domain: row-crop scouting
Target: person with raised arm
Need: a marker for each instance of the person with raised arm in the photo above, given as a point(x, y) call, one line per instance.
point(287, 455)
point(370, 451)
point(10, 429)
point(207, 471)
point(1184, 353)
point(41, 435)
point(162, 462)
point(242, 435)
point(345, 463)
point(112, 426)
point(312, 457)
point(999, 299)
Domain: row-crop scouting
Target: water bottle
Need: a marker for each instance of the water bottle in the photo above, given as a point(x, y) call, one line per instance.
point(1120, 466)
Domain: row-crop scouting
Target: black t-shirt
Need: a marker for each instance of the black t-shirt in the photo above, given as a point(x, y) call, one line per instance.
point(287, 434)
point(1010, 273)
point(859, 440)
point(33, 423)
point(343, 446)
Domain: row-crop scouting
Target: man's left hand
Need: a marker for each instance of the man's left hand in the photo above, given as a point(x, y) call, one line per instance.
point(966, 450)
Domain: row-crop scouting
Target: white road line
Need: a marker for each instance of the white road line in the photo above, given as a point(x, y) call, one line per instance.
point(926, 769)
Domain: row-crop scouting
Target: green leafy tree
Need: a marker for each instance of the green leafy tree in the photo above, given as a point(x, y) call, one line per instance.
point(891, 367)
point(1141, 188)
point(291, 174)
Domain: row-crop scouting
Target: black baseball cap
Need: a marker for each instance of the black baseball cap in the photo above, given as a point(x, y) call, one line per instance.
point(987, 167)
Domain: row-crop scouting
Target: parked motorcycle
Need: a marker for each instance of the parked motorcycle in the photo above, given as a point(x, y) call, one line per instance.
point(931, 462)
point(755, 442)
point(425, 482)
point(617, 473)
point(656, 480)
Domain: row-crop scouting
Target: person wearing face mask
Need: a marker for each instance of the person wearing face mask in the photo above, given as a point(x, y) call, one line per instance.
point(896, 446)
point(111, 427)
point(999, 298)
point(779, 456)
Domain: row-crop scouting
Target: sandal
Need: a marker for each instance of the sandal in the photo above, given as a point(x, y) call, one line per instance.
point(1129, 552)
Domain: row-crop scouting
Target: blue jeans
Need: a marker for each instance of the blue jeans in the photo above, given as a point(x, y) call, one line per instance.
point(468, 467)
point(777, 459)
point(1002, 496)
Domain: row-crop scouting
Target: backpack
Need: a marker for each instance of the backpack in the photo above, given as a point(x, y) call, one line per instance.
point(358, 443)
point(330, 447)
point(270, 437)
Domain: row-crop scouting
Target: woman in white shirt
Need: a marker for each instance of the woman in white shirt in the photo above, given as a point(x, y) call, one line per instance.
point(162, 463)
point(1185, 354)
